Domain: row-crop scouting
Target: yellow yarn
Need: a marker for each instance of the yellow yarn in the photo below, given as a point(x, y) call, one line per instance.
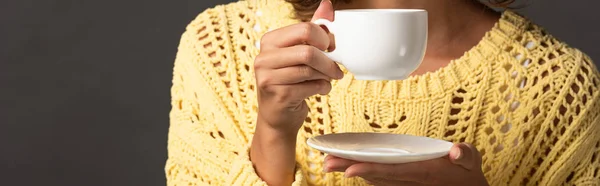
point(527, 101)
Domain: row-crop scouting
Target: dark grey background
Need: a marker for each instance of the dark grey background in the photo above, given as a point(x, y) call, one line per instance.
point(85, 84)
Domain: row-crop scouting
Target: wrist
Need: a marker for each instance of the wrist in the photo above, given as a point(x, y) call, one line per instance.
point(267, 129)
point(273, 154)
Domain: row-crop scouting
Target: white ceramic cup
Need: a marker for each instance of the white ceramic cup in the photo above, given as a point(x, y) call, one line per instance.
point(378, 44)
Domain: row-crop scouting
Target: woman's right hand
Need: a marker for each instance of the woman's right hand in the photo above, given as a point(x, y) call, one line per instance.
point(290, 68)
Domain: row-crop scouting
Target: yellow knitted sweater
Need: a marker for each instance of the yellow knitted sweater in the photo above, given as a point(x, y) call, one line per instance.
point(527, 101)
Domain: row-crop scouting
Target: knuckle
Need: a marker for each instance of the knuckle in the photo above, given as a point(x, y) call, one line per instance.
point(264, 40)
point(263, 82)
point(305, 30)
point(259, 61)
point(307, 54)
point(305, 71)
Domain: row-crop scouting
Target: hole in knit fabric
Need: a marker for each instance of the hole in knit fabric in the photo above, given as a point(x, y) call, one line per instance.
point(507, 67)
point(545, 74)
point(503, 88)
point(514, 106)
point(508, 97)
point(179, 104)
point(454, 111)
point(551, 56)
point(514, 74)
point(541, 62)
point(575, 88)
point(570, 177)
point(402, 119)
point(201, 30)
point(555, 68)
point(489, 130)
point(374, 125)
point(518, 56)
point(498, 148)
point(569, 98)
point(519, 38)
point(530, 45)
point(307, 130)
point(495, 109)
point(546, 88)
point(492, 140)
point(562, 110)
point(203, 37)
point(506, 128)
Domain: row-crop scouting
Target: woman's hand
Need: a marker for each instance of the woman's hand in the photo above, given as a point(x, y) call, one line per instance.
point(461, 167)
point(289, 68)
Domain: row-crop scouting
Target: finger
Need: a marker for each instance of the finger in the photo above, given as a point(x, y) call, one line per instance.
point(324, 11)
point(335, 164)
point(297, 34)
point(331, 42)
point(465, 155)
point(415, 172)
point(296, 74)
point(299, 55)
point(328, 157)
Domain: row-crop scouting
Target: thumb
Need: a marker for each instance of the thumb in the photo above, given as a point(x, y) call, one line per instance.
point(325, 11)
point(465, 155)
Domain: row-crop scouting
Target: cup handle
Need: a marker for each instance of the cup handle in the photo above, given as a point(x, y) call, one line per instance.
point(331, 27)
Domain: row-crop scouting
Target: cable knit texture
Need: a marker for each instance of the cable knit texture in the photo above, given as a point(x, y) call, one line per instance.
point(527, 101)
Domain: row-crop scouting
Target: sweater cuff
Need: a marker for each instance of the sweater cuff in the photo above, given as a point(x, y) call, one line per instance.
point(242, 172)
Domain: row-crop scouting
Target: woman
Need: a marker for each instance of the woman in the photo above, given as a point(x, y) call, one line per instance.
point(250, 86)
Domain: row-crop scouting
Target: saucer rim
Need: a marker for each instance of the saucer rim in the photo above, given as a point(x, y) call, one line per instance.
point(310, 143)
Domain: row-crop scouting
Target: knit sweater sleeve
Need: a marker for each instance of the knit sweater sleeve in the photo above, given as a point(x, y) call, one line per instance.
point(210, 129)
point(580, 108)
point(573, 127)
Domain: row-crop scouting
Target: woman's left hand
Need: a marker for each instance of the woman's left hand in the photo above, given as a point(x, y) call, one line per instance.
point(462, 166)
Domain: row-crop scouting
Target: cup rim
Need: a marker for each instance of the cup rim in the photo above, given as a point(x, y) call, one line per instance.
point(380, 10)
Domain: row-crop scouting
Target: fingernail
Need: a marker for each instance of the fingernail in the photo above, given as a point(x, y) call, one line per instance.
point(340, 74)
point(457, 153)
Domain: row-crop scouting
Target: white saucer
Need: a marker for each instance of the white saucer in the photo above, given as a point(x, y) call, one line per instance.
point(380, 147)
